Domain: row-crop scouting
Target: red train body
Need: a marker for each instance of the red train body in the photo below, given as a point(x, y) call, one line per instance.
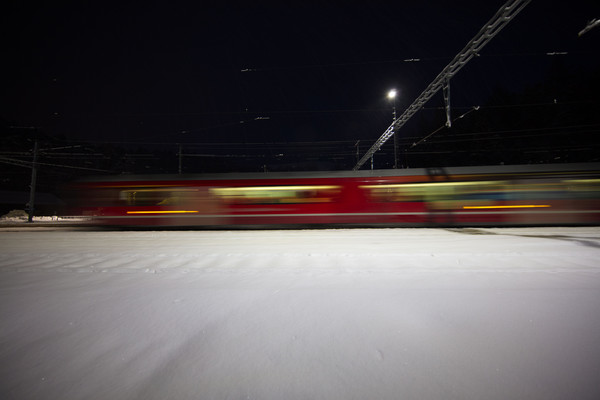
point(461, 196)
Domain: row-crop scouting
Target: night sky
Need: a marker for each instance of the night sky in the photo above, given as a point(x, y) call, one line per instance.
point(161, 73)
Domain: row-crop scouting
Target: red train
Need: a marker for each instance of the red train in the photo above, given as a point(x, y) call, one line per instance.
point(461, 196)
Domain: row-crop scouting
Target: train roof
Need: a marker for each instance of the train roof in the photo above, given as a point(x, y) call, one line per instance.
point(432, 171)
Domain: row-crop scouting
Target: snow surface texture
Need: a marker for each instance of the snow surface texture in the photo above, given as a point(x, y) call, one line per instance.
point(308, 314)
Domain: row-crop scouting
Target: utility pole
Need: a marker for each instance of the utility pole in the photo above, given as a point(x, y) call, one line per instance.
point(31, 207)
point(392, 96)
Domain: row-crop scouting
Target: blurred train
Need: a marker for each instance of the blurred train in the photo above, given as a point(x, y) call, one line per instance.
point(561, 194)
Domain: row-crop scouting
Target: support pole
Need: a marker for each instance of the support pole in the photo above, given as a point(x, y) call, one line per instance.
point(31, 206)
point(395, 135)
point(446, 92)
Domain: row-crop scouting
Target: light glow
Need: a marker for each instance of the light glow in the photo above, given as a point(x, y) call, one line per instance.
point(431, 184)
point(514, 206)
point(233, 190)
point(163, 212)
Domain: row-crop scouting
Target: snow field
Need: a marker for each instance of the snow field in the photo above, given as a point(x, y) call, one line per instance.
point(322, 314)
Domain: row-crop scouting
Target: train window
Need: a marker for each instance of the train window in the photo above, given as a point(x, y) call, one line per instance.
point(583, 188)
point(536, 189)
point(277, 194)
point(430, 191)
point(156, 196)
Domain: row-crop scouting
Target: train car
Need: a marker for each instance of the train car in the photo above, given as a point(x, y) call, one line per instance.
point(561, 194)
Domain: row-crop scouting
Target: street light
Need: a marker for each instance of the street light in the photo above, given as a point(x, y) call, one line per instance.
point(392, 97)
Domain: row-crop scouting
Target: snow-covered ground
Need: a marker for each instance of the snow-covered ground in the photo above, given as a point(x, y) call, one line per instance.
point(300, 314)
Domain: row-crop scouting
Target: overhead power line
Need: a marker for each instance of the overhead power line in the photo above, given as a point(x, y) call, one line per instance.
point(504, 15)
point(30, 164)
point(442, 127)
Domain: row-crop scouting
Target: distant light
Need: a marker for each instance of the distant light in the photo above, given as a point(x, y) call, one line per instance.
point(392, 94)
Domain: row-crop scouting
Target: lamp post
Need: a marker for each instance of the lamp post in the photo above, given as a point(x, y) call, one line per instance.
point(392, 97)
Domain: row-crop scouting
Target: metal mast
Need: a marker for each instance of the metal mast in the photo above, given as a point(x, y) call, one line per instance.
point(504, 15)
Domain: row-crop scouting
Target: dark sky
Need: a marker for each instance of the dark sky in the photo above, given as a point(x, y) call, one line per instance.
point(169, 72)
